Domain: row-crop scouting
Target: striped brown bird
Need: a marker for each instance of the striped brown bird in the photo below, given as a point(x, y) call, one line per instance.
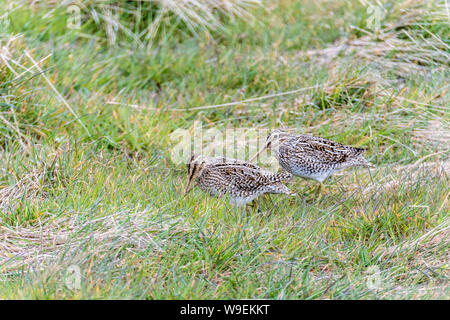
point(241, 181)
point(312, 157)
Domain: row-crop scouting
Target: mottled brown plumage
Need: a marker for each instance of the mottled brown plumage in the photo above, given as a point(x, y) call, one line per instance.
point(313, 157)
point(240, 180)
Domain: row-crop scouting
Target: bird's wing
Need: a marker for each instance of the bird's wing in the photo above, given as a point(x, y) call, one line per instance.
point(315, 149)
point(222, 161)
point(242, 177)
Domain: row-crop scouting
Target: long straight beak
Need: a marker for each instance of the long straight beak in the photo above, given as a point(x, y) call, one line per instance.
point(188, 187)
point(258, 153)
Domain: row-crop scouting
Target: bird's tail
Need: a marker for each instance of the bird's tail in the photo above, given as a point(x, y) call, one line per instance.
point(362, 162)
point(280, 188)
point(358, 151)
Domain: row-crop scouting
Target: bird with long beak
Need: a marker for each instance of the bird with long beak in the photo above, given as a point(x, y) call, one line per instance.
point(312, 157)
point(241, 181)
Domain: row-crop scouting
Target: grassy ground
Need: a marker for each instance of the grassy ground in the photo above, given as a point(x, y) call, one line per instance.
point(87, 182)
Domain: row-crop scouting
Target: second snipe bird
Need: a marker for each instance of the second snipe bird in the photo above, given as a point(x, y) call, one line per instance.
point(241, 181)
point(312, 157)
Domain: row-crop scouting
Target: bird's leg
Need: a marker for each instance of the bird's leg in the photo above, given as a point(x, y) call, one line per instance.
point(319, 190)
point(271, 202)
point(253, 206)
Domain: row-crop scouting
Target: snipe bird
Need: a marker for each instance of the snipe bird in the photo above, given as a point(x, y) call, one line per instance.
point(312, 157)
point(241, 181)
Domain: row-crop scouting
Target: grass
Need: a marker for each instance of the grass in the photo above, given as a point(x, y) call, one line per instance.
point(87, 178)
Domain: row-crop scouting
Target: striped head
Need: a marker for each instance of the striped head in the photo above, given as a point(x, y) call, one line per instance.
point(195, 167)
point(276, 137)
